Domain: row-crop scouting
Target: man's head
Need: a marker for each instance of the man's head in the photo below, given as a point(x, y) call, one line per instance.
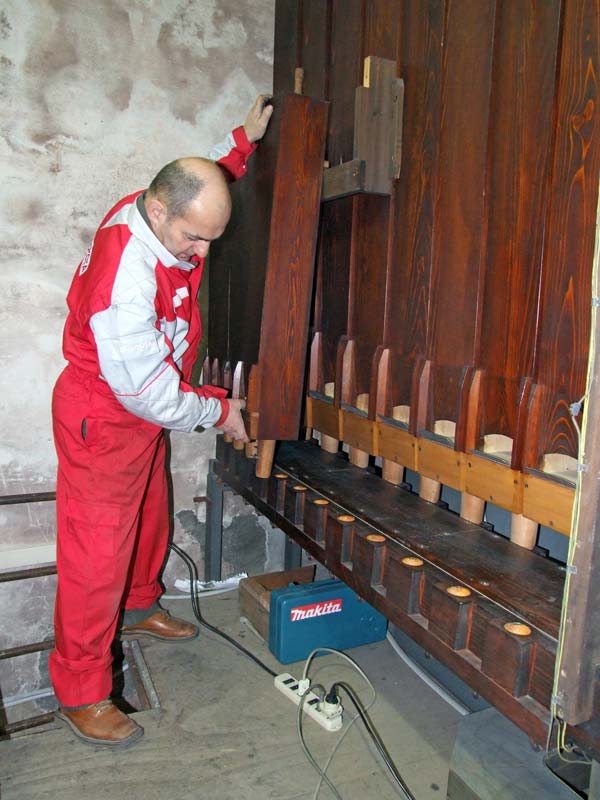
point(188, 205)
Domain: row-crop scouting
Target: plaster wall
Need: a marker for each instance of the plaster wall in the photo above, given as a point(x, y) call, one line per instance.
point(95, 98)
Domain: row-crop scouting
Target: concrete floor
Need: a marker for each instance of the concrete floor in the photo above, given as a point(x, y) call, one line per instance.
point(224, 732)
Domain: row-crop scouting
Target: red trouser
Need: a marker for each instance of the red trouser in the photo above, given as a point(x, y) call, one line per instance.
point(112, 525)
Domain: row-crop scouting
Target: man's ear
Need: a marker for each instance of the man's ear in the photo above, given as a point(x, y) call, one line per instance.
point(156, 210)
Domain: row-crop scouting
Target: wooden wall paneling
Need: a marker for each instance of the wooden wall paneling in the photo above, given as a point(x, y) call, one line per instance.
point(345, 21)
point(411, 230)
point(369, 243)
point(269, 248)
point(315, 46)
point(458, 266)
point(286, 52)
point(330, 318)
point(368, 264)
point(382, 22)
point(345, 74)
point(550, 439)
point(526, 44)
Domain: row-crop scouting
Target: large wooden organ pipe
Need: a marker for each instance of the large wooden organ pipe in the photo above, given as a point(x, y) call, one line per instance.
point(517, 165)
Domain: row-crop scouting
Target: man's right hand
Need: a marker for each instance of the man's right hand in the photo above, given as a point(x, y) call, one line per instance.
point(234, 424)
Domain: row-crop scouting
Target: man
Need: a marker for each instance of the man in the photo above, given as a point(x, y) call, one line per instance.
point(130, 339)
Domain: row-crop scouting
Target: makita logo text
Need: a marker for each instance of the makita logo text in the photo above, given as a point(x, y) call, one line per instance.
point(316, 610)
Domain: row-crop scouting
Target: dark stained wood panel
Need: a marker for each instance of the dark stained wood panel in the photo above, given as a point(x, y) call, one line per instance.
point(288, 286)
point(333, 280)
point(407, 300)
point(370, 220)
point(345, 74)
point(518, 166)
point(286, 56)
point(459, 211)
point(382, 20)
point(269, 251)
point(315, 47)
point(566, 274)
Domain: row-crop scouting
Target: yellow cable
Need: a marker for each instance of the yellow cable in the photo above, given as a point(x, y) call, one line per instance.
point(581, 460)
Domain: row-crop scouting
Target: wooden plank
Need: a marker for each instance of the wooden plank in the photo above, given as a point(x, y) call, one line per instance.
point(324, 417)
point(526, 42)
point(358, 431)
point(382, 23)
point(315, 47)
point(333, 281)
point(395, 444)
point(407, 297)
point(494, 482)
point(460, 215)
point(345, 74)
point(548, 502)
point(366, 297)
point(440, 463)
point(378, 123)
point(269, 249)
point(343, 180)
point(286, 55)
point(288, 285)
point(563, 337)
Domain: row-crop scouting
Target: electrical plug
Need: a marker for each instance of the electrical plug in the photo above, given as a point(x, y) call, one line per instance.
point(331, 706)
point(303, 686)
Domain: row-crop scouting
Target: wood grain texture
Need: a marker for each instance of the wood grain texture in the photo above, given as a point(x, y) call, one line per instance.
point(315, 47)
point(407, 298)
point(286, 55)
point(333, 281)
point(457, 276)
point(345, 74)
point(563, 336)
point(525, 56)
point(288, 286)
point(269, 250)
point(368, 267)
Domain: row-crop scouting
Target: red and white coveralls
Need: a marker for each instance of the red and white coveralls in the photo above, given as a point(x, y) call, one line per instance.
point(130, 338)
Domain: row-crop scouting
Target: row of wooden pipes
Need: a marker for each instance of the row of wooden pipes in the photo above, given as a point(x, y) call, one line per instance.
point(480, 476)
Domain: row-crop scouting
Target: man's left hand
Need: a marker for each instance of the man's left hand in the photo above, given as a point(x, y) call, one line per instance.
point(258, 118)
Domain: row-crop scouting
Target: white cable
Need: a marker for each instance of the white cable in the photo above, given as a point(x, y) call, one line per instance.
point(439, 690)
point(203, 593)
point(350, 660)
point(18, 699)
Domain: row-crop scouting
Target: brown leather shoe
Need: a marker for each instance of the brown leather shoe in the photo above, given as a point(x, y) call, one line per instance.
point(101, 724)
point(161, 625)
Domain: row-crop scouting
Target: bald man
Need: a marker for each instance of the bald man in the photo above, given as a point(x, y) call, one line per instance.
point(130, 341)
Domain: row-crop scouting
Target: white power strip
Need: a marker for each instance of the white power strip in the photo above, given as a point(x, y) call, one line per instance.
point(288, 685)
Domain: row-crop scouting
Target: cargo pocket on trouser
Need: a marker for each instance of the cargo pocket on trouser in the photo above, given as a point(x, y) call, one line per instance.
point(92, 543)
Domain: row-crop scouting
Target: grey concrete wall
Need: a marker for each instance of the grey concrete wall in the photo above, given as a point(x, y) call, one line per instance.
point(95, 98)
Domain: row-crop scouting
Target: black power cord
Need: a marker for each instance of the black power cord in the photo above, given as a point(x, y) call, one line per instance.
point(331, 696)
point(193, 571)
point(373, 733)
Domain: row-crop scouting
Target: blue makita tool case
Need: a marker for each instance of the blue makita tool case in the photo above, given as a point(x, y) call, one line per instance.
point(320, 614)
